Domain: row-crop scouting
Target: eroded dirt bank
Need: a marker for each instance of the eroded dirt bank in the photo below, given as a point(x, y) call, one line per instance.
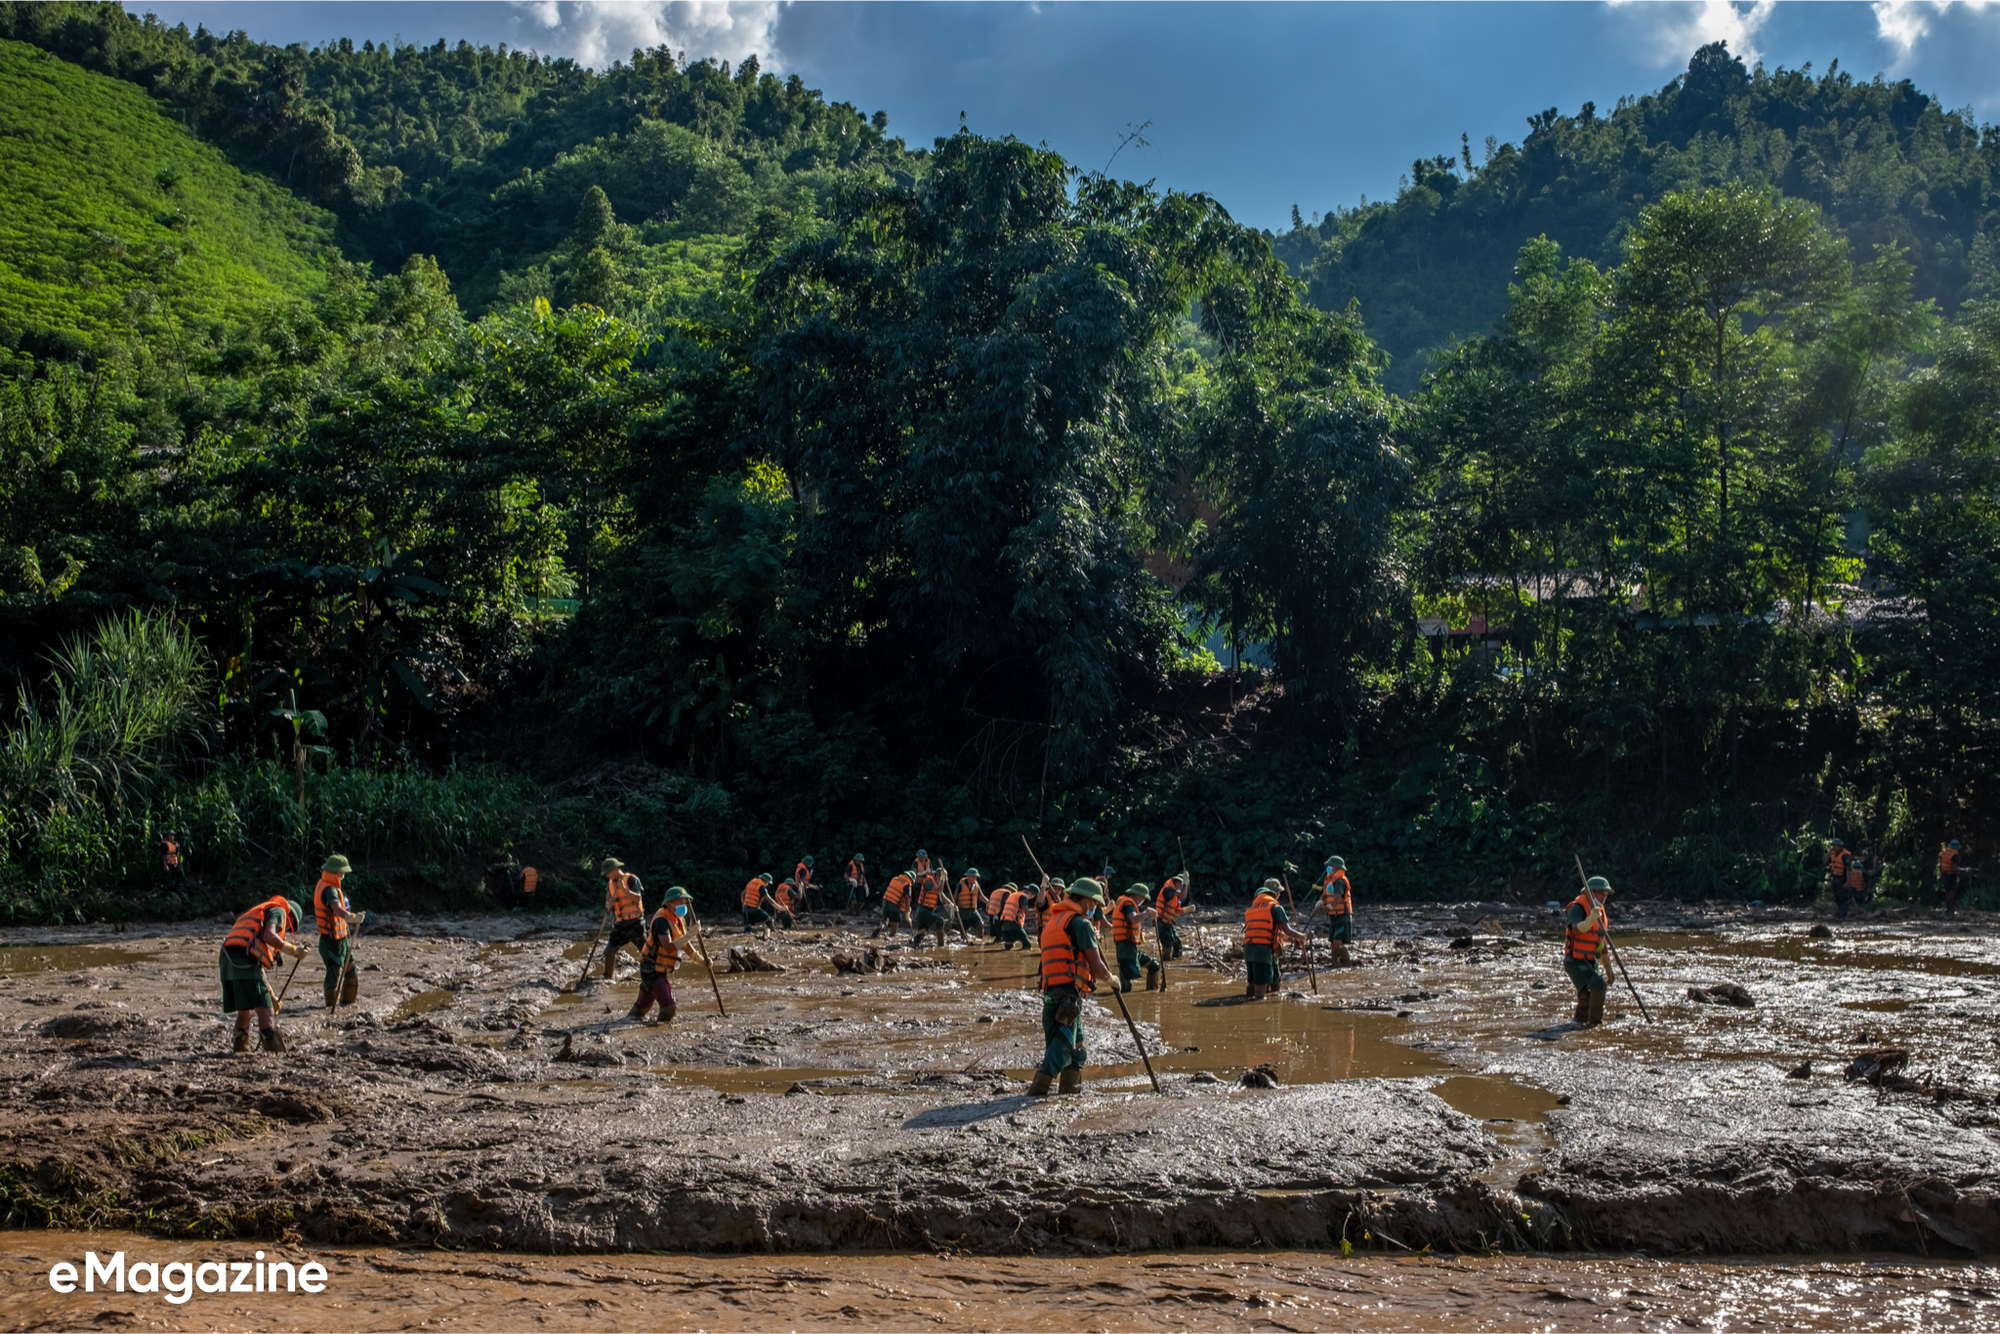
point(1429, 1097)
point(373, 1288)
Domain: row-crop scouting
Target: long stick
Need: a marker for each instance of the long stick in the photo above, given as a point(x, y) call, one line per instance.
point(346, 969)
point(280, 1004)
point(1307, 948)
point(1620, 963)
point(702, 945)
point(1031, 857)
point(1118, 995)
point(595, 941)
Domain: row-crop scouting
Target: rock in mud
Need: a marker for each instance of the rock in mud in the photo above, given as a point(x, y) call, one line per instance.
point(1723, 993)
point(1821, 931)
point(1874, 1066)
point(743, 960)
point(1259, 1077)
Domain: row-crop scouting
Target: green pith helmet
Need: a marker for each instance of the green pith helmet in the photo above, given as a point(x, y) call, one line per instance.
point(336, 865)
point(925, 855)
point(806, 862)
point(1086, 888)
point(1953, 845)
point(1597, 884)
point(608, 865)
point(1139, 891)
point(859, 858)
point(1336, 864)
point(1272, 884)
point(1836, 843)
point(1060, 887)
point(674, 892)
point(767, 877)
point(292, 907)
point(1010, 885)
point(972, 873)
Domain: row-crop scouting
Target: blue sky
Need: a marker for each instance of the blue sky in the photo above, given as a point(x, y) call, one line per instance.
point(1261, 105)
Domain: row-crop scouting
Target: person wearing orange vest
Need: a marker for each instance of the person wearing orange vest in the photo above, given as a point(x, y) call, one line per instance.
point(1854, 889)
point(1013, 908)
point(1336, 895)
point(336, 921)
point(756, 895)
point(173, 844)
point(251, 948)
point(857, 882)
point(1264, 924)
point(1173, 900)
point(1837, 858)
point(1128, 928)
point(893, 896)
point(1951, 874)
point(666, 941)
point(971, 898)
point(1586, 940)
point(1072, 966)
point(920, 863)
point(787, 898)
point(995, 902)
point(624, 899)
point(930, 901)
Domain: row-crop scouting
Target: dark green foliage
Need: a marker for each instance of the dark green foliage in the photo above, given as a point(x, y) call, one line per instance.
point(1886, 164)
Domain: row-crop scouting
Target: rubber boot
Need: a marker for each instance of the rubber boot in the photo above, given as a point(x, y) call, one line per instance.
point(1071, 1082)
point(639, 1008)
point(1152, 977)
point(1597, 999)
point(610, 962)
point(332, 994)
point(1587, 1010)
point(242, 1043)
point(667, 1013)
point(1341, 958)
point(271, 1040)
point(350, 990)
point(1038, 1087)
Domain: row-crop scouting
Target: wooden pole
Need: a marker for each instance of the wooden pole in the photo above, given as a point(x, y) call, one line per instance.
point(694, 925)
point(595, 941)
point(1118, 995)
point(1308, 949)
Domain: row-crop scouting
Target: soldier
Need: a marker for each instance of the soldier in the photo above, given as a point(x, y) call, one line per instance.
point(1586, 940)
point(970, 923)
point(1173, 898)
point(666, 941)
point(1264, 923)
point(756, 897)
point(1127, 930)
point(336, 921)
point(1336, 895)
point(624, 899)
point(250, 950)
point(1952, 873)
point(1071, 967)
point(857, 883)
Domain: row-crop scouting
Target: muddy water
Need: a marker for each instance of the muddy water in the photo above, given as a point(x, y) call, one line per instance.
point(380, 1288)
point(65, 958)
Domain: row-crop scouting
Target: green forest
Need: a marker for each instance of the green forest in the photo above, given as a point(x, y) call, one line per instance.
point(446, 455)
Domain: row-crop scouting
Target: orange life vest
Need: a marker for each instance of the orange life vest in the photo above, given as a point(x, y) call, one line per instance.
point(1259, 927)
point(921, 865)
point(968, 894)
point(1125, 921)
point(324, 904)
point(996, 901)
point(1339, 894)
point(172, 856)
point(802, 875)
point(898, 890)
point(1169, 906)
point(856, 873)
point(625, 905)
point(1580, 944)
point(927, 893)
point(1062, 964)
point(784, 897)
point(753, 893)
point(1857, 878)
point(663, 955)
point(248, 933)
point(1010, 911)
point(529, 880)
point(1836, 862)
point(1947, 861)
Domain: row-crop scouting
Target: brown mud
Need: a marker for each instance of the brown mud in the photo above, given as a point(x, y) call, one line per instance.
point(1435, 1095)
point(377, 1288)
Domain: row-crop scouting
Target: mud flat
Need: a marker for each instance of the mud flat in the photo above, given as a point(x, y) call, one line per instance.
point(1431, 1097)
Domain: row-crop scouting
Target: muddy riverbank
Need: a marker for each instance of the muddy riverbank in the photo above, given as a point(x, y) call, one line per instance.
point(376, 1288)
point(1432, 1096)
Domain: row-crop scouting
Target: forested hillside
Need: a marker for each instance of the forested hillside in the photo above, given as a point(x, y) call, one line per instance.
point(115, 221)
point(1884, 162)
point(676, 466)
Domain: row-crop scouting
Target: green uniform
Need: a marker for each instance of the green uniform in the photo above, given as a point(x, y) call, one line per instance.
point(1063, 1042)
point(927, 919)
point(1262, 960)
point(1340, 927)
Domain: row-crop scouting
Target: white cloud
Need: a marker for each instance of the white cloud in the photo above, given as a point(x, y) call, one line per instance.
point(1904, 23)
point(1677, 29)
point(597, 32)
